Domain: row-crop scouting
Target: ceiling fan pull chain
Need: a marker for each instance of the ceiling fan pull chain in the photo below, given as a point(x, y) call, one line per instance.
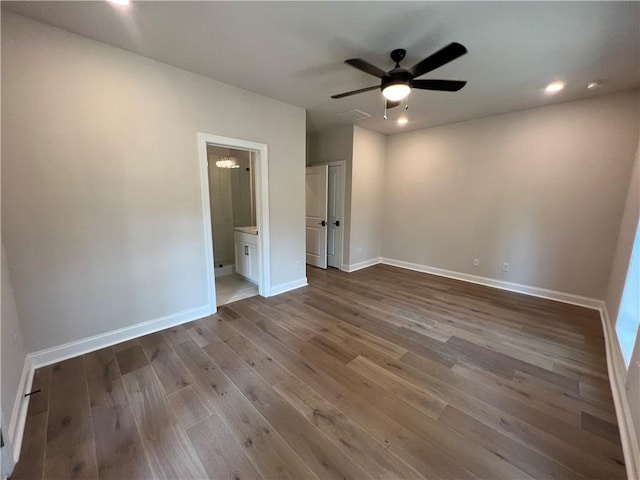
point(406, 102)
point(385, 109)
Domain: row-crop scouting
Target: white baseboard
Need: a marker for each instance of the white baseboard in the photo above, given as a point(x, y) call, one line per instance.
point(360, 265)
point(617, 378)
point(102, 340)
point(287, 286)
point(20, 407)
point(226, 270)
point(502, 285)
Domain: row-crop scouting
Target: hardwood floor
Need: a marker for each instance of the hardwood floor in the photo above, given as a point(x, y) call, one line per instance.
point(383, 373)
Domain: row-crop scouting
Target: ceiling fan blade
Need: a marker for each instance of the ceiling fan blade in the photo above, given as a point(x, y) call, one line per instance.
point(443, 85)
point(366, 67)
point(441, 57)
point(355, 92)
point(391, 104)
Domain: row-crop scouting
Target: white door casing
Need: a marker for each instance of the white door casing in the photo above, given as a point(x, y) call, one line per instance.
point(335, 222)
point(261, 188)
point(316, 215)
point(7, 453)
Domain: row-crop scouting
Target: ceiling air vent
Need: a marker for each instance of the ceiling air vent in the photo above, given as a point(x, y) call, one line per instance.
point(354, 115)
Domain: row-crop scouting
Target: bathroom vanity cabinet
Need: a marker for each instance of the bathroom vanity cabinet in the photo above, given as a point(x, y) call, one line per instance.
point(246, 253)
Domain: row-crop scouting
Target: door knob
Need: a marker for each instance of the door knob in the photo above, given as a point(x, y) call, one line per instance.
point(323, 223)
point(337, 223)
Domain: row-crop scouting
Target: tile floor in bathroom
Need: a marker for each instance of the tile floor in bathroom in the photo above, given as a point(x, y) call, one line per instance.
point(233, 287)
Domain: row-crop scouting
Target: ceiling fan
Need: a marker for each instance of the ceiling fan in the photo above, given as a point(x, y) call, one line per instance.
point(398, 82)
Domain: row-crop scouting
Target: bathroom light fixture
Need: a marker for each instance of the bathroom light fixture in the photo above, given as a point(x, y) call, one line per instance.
point(227, 162)
point(554, 87)
point(120, 3)
point(403, 121)
point(396, 91)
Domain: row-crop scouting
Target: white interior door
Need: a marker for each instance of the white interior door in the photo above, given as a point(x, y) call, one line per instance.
point(316, 213)
point(335, 223)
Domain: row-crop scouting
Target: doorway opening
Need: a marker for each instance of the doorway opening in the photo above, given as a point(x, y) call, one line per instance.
point(233, 223)
point(234, 187)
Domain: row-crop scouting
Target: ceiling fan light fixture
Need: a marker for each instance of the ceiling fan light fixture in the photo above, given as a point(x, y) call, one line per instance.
point(396, 91)
point(397, 83)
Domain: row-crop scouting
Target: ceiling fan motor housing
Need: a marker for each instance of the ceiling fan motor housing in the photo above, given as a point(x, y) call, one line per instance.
point(396, 76)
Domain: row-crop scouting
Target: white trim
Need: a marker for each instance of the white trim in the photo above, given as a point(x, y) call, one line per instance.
point(288, 286)
point(502, 285)
point(262, 216)
point(203, 166)
point(360, 265)
point(102, 340)
point(226, 270)
point(262, 208)
point(617, 374)
point(20, 407)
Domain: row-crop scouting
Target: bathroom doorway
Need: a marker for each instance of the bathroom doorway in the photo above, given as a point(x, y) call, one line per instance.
point(233, 176)
point(233, 223)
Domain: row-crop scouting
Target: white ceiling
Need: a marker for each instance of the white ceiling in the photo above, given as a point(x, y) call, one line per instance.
point(294, 51)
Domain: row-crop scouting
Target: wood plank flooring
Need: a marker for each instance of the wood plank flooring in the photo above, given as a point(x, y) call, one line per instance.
point(379, 374)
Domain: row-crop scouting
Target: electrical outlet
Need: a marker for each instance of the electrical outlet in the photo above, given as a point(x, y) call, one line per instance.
point(505, 267)
point(360, 250)
point(297, 264)
point(476, 262)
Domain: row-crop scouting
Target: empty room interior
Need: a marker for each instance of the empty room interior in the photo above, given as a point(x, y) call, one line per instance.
point(318, 240)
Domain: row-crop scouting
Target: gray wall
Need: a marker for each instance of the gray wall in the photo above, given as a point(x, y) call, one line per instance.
point(330, 145)
point(369, 152)
point(101, 209)
point(542, 189)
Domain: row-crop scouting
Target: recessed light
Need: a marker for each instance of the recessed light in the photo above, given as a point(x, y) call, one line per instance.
point(403, 121)
point(120, 3)
point(554, 87)
point(594, 85)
